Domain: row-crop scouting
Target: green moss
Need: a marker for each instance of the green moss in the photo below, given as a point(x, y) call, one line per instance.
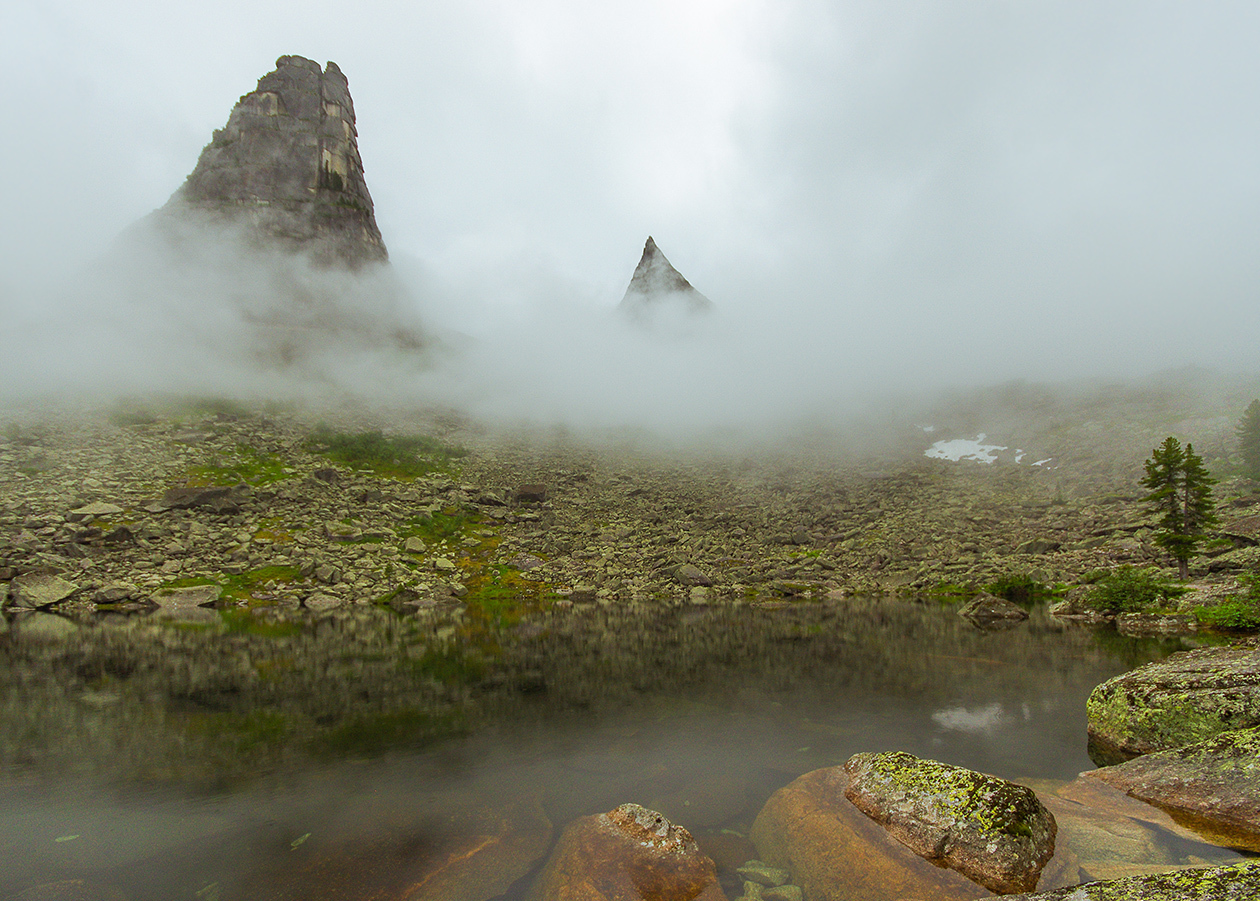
point(243, 464)
point(390, 456)
point(243, 587)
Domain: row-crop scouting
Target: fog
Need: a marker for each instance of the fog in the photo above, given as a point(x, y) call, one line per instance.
point(879, 200)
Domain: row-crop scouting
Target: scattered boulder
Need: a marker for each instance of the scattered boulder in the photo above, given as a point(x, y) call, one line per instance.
point(1211, 786)
point(190, 603)
point(833, 850)
point(1236, 882)
point(658, 289)
point(992, 831)
point(691, 575)
point(218, 499)
point(531, 494)
point(628, 853)
point(1189, 697)
point(1147, 625)
point(90, 511)
point(39, 590)
point(985, 608)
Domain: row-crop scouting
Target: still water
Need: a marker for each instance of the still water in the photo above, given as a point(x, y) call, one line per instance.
point(278, 754)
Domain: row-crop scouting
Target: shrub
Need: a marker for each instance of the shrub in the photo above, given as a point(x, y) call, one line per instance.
point(1235, 614)
point(1129, 589)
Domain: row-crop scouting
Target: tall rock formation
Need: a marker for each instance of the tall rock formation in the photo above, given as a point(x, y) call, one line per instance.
point(658, 290)
point(287, 168)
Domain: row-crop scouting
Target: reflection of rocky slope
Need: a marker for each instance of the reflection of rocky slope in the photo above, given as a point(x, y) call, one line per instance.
point(657, 290)
point(287, 167)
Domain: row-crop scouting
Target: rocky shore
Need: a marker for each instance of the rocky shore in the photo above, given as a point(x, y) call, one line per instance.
point(245, 583)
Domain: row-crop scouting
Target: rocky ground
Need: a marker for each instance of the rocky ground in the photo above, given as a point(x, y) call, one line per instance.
point(123, 508)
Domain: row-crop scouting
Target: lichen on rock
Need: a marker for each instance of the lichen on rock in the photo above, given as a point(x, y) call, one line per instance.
point(992, 831)
point(1189, 697)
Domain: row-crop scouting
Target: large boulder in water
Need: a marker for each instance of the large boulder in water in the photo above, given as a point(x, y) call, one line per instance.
point(286, 167)
point(658, 295)
point(1189, 697)
point(992, 831)
point(833, 850)
point(1212, 786)
point(627, 854)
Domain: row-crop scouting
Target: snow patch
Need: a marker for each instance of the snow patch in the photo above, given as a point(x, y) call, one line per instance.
point(965, 449)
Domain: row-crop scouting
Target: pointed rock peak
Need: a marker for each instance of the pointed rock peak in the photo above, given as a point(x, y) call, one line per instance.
point(286, 166)
point(657, 288)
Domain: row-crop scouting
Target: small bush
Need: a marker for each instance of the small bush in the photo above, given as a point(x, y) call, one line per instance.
point(1130, 589)
point(1236, 614)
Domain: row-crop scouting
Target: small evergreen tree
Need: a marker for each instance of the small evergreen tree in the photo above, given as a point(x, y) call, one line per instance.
point(1181, 496)
point(1249, 440)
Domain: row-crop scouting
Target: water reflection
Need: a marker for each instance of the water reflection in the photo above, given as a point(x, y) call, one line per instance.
point(190, 757)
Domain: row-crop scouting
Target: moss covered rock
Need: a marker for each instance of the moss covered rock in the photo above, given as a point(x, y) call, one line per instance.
point(1237, 882)
point(1188, 698)
point(992, 831)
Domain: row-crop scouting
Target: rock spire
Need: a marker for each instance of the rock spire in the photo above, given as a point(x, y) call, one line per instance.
point(657, 288)
point(287, 167)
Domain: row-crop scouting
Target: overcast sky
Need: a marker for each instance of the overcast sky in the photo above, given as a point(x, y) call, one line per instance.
point(998, 188)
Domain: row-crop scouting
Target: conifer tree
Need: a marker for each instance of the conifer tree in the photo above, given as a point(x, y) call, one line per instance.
point(1249, 440)
point(1181, 496)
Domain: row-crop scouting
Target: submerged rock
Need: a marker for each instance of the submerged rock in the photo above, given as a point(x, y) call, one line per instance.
point(1189, 697)
point(992, 831)
point(628, 853)
point(1212, 786)
point(659, 290)
point(1237, 882)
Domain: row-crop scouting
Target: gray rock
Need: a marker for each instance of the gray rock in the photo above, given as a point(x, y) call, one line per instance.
point(992, 831)
point(657, 289)
point(39, 590)
point(444, 564)
point(114, 592)
point(531, 494)
point(287, 166)
point(415, 545)
point(985, 608)
point(690, 575)
point(1236, 882)
point(321, 602)
point(783, 893)
point(188, 603)
point(96, 509)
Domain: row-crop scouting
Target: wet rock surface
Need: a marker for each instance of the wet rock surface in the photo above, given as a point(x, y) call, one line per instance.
point(628, 853)
point(992, 831)
point(1211, 786)
point(1189, 697)
point(833, 850)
